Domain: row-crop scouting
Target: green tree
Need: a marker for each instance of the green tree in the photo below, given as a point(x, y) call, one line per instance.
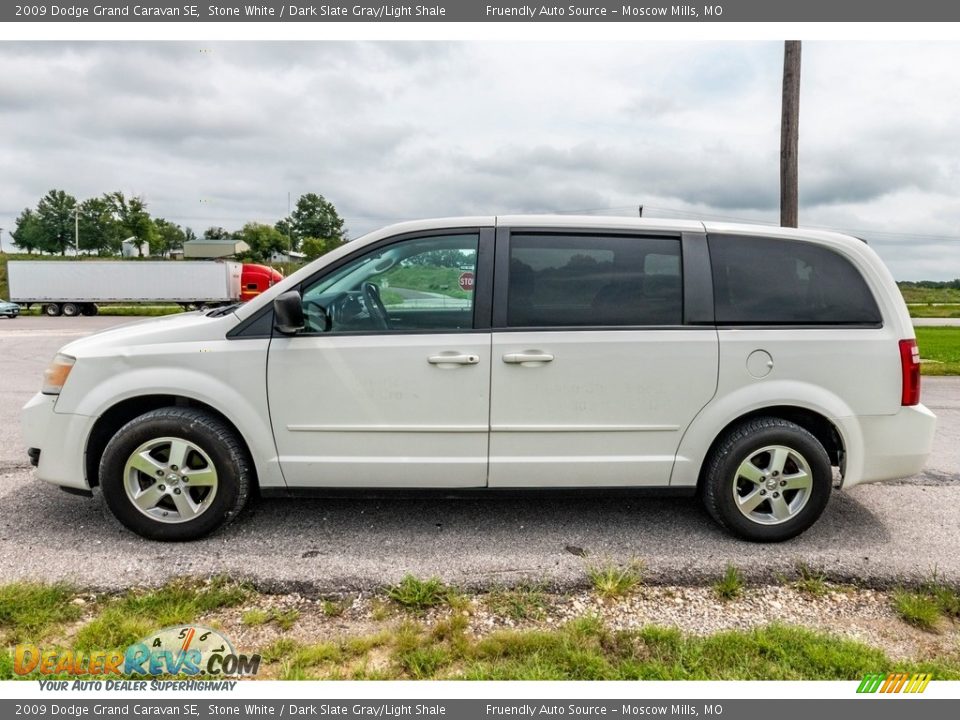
point(134, 219)
point(99, 229)
point(27, 234)
point(170, 236)
point(216, 233)
point(55, 214)
point(263, 240)
point(315, 217)
point(313, 247)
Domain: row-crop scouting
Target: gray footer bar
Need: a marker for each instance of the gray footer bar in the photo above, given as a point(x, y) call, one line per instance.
point(874, 707)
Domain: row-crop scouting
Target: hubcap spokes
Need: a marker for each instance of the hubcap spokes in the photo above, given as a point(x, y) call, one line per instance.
point(170, 479)
point(772, 485)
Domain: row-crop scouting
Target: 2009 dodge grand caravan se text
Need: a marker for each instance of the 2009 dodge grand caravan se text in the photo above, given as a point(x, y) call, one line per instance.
point(744, 363)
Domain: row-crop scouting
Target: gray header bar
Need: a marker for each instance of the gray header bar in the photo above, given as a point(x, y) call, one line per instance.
point(209, 708)
point(481, 11)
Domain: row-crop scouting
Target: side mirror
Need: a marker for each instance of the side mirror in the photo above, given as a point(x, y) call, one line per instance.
point(288, 313)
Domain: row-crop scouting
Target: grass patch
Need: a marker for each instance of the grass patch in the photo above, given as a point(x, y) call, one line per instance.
point(934, 311)
point(947, 599)
point(941, 345)
point(917, 609)
point(130, 617)
point(334, 608)
point(586, 650)
point(810, 582)
point(415, 594)
point(284, 619)
point(610, 580)
point(926, 606)
point(30, 610)
point(730, 586)
point(525, 602)
point(140, 310)
point(255, 618)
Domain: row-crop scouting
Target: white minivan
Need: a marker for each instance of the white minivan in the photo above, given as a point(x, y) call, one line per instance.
point(756, 367)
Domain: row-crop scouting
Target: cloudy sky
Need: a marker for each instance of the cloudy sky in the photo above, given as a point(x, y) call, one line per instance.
point(220, 133)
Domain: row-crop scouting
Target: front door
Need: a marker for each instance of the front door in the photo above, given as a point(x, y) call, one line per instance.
point(388, 386)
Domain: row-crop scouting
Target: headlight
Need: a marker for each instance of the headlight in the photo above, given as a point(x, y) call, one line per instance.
point(56, 374)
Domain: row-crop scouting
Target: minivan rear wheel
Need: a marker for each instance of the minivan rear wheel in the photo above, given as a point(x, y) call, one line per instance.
point(767, 480)
point(175, 474)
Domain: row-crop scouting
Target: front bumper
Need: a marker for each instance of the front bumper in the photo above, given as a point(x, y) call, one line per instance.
point(11, 313)
point(888, 447)
point(58, 440)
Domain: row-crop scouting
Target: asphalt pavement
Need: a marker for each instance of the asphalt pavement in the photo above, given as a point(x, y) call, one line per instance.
point(879, 534)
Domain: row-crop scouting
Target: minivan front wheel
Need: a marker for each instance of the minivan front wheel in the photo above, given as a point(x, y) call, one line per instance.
point(175, 474)
point(767, 480)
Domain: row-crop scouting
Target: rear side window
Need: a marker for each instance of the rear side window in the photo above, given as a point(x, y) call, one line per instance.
point(593, 280)
point(767, 281)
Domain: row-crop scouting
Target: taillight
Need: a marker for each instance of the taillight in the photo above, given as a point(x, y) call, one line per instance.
point(910, 372)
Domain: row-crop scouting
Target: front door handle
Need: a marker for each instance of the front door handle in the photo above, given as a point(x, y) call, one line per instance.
point(453, 359)
point(530, 357)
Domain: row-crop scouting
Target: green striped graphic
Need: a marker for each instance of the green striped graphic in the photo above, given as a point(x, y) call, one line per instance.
point(871, 683)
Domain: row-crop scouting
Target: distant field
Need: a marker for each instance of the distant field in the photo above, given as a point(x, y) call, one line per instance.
point(912, 294)
point(940, 349)
point(934, 311)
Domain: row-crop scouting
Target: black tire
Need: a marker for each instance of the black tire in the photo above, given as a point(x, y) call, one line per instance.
point(89, 309)
point(51, 310)
point(722, 482)
point(210, 437)
point(70, 309)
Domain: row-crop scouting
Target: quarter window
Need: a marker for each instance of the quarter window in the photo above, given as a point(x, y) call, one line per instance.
point(419, 285)
point(593, 280)
point(768, 281)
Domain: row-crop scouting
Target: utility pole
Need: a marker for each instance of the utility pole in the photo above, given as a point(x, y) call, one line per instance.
point(789, 133)
point(289, 229)
point(1, 241)
point(76, 229)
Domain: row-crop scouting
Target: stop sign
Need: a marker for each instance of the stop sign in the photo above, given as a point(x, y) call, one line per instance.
point(466, 281)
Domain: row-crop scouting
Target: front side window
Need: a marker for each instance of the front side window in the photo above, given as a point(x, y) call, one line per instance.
point(594, 280)
point(769, 281)
point(418, 285)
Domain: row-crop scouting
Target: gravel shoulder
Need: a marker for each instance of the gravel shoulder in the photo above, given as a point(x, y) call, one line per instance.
point(864, 615)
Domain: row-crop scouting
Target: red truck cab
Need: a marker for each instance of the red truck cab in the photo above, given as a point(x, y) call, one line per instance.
point(255, 279)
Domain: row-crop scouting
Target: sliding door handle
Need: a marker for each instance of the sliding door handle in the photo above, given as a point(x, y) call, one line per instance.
point(530, 357)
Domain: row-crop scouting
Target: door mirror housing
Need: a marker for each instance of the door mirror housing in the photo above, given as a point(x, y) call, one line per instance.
point(288, 313)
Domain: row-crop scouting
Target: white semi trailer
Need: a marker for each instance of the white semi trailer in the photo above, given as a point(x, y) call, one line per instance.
point(78, 287)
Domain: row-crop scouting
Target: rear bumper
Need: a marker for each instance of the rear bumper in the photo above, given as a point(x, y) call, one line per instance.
point(56, 440)
point(890, 446)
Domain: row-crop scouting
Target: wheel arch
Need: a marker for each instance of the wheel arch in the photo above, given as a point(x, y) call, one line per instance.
point(129, 408)
point(817, 424)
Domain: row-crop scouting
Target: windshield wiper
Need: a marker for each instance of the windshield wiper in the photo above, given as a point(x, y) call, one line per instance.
point(221, 311)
